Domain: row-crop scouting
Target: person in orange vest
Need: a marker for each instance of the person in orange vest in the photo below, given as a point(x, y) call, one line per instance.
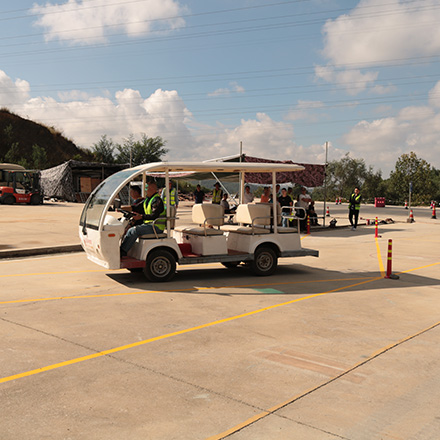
point(354, 206)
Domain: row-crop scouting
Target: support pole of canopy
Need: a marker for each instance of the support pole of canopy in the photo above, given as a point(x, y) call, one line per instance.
point(274, 201)
point(167, 192)
point(144, 183)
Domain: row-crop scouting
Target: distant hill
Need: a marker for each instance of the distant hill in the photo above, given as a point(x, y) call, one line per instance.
point(26, 133)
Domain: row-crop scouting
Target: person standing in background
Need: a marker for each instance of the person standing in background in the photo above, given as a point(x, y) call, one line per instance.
point(217, 194)
point(354, 206)
point(199, 195)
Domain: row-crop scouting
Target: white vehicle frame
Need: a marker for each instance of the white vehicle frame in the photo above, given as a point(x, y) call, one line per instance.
point(259, 243)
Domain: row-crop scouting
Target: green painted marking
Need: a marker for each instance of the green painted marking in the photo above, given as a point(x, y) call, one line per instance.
point(268, 291)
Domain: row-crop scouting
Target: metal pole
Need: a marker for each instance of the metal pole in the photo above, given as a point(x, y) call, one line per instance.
point(325, 183)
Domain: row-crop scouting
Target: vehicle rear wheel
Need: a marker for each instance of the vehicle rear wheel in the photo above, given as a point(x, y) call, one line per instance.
point(160, 265)
point(8, 199)
point(265, 261)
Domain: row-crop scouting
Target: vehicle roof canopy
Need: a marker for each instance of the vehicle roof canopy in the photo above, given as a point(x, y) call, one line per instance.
point(217, 167)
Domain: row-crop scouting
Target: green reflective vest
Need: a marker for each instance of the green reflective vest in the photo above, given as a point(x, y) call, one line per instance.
point(355, 202)
point(173, 196)
point(160, 222)
point(217, 196)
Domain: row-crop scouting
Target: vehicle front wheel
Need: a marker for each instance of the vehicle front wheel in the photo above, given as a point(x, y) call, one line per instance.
point(35, 199)
point(265, 261)
point(8, 199)
point(160, 265)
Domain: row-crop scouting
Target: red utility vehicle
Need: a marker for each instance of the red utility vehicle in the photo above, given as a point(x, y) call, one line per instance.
point(18, 185)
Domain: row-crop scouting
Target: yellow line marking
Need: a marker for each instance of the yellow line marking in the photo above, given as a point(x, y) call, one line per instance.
point(275, 408)
point(417, 268)
point(170, 335)
point(379, 257)
point(143, 292)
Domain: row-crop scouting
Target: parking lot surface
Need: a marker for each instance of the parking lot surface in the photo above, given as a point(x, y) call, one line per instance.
point(327, 348)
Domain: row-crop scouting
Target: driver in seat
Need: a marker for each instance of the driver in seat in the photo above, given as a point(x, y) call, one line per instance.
point(153, 208)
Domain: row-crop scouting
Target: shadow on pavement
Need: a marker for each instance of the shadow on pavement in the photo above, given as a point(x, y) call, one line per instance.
point(289, 279)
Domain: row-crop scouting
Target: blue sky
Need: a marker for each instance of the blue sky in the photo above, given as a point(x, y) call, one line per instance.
point(283, 77)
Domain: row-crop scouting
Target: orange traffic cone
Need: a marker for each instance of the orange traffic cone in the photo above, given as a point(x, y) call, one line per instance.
point(411, 217)
point(406, 204)
point(327, 214)
point(433, 211)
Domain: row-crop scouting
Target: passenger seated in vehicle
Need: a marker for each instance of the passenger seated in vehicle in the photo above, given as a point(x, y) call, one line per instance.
point(153, 208)
point(227, 209)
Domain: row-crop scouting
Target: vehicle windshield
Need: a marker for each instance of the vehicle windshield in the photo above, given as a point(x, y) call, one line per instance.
point(94, 206)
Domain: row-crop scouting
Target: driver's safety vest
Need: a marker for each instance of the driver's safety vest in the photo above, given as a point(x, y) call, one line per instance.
point(355, 202)
point(217, 196)
point(160, 222)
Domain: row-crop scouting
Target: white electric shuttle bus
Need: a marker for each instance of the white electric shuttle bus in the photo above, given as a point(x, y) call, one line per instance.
point(256, 240)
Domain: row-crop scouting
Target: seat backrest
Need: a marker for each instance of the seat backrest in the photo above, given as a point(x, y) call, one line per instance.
point(278, 210)
point(257, 214)
point(212, 213)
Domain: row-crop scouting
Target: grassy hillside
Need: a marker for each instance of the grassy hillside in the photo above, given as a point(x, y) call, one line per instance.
point(22, 134)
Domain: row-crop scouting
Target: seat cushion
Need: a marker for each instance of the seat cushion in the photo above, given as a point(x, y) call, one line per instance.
point(152, 236)
point(245, 230)
point(199, 231)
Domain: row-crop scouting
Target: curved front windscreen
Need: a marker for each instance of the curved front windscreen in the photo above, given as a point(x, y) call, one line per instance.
point(95, 204)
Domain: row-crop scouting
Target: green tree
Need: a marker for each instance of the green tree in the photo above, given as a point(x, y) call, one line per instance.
point(345, 174)
point(103, 151)
point(436, 184)
point(39, 157)
point(410, 169)
point(13, 156)
point(146, 150)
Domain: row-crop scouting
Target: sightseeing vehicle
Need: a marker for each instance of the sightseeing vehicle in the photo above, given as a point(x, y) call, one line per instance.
point(256, 240)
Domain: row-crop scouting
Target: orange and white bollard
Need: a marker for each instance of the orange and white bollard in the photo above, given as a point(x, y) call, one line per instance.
point(376, 234)
point(433, 211)
point(308, 225)
point(327, 214)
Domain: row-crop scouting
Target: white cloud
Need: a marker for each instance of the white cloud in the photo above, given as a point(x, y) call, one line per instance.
point(12, 92)
point(85, 121)
point(88, 22)
point(382, 141)
point(375, 32)
point(381, 31)
point(233, 88)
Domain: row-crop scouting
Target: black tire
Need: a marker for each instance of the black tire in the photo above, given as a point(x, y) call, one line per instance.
point(231, 264)
point(8, 199)
point(35, 199)
point(160, 265)
point(265, 261)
